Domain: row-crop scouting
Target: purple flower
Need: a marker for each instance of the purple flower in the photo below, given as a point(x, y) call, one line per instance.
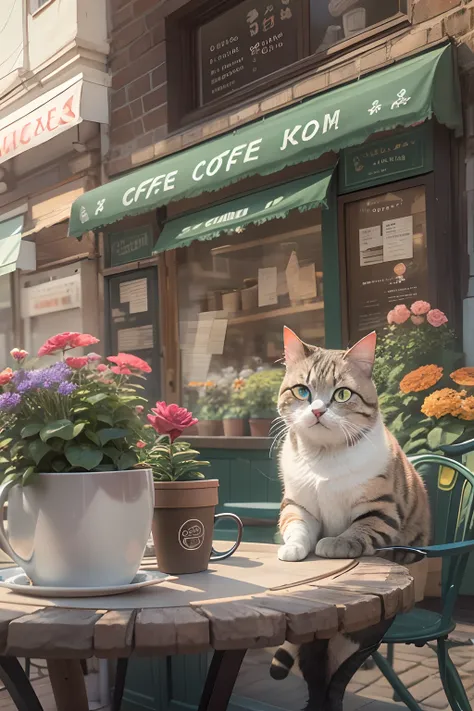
point(26, 380)
point(8, 401)
point(66, 388)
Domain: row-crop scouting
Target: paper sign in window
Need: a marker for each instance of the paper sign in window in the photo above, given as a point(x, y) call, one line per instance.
point(267, 286)
point(307, 282)
point(371, 246)
point(398, 239)
point(134, 293)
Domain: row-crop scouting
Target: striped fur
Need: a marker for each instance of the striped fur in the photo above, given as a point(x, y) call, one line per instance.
point(348, 487)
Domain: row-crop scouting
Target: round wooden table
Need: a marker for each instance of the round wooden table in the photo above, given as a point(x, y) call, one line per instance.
point(251, 600)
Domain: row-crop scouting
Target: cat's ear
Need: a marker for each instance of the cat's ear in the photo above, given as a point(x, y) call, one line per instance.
point(363, 353)
point(295, 349)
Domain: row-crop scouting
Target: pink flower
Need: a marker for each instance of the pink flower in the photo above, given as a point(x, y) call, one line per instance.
point(5, 376)
point(121, 370)
point(102, 368)
point(139, 409)
point(171, 420)
point(127, 361)
point(18, 354)
point(65, 341)
point(420, 308)
point(400, 314)
point(77, 363)
point(417, 320)
point(390, 317)
point(93, 357)
point(436, 318)
point(140, 444)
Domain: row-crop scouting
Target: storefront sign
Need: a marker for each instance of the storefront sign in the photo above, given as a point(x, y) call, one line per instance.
point(394, 158)
point(403, 94)
point(45, 122)
point(248, 42)
point(56, 295)
point(129, 246)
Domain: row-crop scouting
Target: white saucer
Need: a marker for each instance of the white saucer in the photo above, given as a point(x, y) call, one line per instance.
point(16, 580)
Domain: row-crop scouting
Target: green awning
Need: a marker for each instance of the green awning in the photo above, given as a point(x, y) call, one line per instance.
point(404, 94)
point(254, 208)
point(10, 243)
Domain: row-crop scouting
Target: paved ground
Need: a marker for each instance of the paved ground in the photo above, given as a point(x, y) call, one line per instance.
point(368, 690)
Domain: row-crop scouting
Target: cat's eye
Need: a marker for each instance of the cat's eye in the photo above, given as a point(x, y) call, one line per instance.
point(301, 392)
point(342, 395)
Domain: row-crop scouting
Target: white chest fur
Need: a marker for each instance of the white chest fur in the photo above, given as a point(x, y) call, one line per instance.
point(328, 486)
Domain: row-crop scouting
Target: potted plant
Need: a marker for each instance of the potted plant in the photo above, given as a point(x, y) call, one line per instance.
point(236, 412)
point(261, 394)
point(183, 519)
point(210, 406)
point(79, 506)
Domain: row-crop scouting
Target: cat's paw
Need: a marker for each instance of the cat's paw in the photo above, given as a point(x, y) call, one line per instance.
point(338, 547)
point(292, 552)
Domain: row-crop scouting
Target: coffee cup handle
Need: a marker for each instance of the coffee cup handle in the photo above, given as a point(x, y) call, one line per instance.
point(215, 555)
point(4, 542)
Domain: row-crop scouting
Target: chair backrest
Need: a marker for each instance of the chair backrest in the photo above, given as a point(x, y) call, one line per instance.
point(450, 488)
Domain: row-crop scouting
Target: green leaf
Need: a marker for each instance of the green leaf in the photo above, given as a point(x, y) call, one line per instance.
point(37, 450)
point(64, 429)
point(83, 456)
point(93, 436)
point(30, 430)
point(4, 460)
point(448, 434)
point(127, 461)
point(415, 445)
point(27, 474)
point(95, 399)
point(419, 432)
point(110, 433)
point(112, 453)
point(5, 442)
point(58, 465)
point(103, 417)
point(78, 429)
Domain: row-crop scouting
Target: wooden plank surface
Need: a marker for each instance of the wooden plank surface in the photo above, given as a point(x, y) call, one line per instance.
point(113, 634)
point(240, 625)
point(307, 619)
point(175, 630)
point(53, 633)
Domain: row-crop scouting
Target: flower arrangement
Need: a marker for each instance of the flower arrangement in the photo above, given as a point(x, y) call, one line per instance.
point(78, 414)
point(168, 459)
point(414, 353)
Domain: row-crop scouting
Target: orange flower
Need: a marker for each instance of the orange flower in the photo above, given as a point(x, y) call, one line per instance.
point(443, 402)
point(463, 376)
point(5, 376)
point(421, 379)
point(467, 409)
point(238, 384)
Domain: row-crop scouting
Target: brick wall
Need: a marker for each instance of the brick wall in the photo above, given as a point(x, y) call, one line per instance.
point(139, 131)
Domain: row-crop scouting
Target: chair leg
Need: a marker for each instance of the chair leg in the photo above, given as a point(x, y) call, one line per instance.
point(18, 685)
point(397, 685)
point(452, 683)
point(120, 677)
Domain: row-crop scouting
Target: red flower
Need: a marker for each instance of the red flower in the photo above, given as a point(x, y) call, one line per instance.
point(140, 444)
point(121, 370)
point(101, 368)
point(5, 376)
point(65, 341)
point(77, 363)
point(171, 420)
point(18, 354)
point(139, 409)
point(126, 360)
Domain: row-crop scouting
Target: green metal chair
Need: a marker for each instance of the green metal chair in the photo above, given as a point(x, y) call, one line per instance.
point(451, 490)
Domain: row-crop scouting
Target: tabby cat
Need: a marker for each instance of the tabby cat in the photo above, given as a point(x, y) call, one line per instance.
point(348, 487)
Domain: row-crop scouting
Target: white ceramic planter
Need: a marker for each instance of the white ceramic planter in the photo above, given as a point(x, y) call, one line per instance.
point(79, 529)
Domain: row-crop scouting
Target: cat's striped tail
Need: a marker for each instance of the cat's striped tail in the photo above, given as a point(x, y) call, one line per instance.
point(283, 660)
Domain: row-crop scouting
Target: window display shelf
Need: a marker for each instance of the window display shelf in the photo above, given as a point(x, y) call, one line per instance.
point(276, 313)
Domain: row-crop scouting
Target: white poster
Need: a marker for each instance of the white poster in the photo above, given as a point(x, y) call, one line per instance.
point(134, 293)
point(371, 246)
point(267, 286)
point(398, 239)
point(307, 282)
point(135, 339)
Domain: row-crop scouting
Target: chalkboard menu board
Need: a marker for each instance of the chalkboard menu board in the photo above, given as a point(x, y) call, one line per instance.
point(248, 42)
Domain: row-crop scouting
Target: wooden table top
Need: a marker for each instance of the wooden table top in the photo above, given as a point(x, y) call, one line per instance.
point(250, 600)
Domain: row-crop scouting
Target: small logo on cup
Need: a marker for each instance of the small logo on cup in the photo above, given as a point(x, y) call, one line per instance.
point(191, 534)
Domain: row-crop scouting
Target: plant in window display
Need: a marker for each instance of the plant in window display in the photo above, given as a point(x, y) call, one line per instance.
point(261, 393)
point(236, 412)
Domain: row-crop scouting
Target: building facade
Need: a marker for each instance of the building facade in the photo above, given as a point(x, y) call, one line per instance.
point(53, 131)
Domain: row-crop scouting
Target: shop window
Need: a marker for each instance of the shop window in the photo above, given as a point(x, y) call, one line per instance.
point(235, 294)
point(387, 255)
point(217, 57)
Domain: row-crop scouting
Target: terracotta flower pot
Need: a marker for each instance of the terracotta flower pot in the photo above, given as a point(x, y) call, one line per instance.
point(183, 525)
point(260, 427)
point(234, 427)
point(210, 428)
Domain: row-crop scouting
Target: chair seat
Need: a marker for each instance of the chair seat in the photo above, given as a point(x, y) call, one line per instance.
point(418, 625)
